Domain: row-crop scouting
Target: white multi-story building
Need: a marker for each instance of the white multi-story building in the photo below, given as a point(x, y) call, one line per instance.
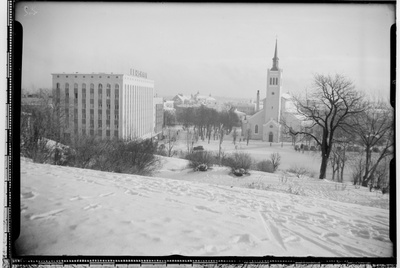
point(105, 105)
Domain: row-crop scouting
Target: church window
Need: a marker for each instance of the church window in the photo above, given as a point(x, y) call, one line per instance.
point(273, 93)
point(271, 126)
point(256, 129)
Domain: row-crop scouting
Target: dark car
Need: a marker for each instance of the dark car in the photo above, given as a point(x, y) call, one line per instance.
point(198, 148)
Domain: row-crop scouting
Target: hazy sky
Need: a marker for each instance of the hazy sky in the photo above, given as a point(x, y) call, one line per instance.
point(222, 49)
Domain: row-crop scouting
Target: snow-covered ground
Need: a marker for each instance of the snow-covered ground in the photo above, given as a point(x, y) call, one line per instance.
point(70, 211)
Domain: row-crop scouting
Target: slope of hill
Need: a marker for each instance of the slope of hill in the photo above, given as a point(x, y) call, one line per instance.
point(70, 211)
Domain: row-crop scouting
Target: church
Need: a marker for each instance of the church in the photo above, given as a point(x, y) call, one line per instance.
point(265, 124)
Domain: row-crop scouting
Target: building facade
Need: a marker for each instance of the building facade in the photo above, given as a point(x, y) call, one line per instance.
point(266, 123)
point(158, 115)
point(104, 105)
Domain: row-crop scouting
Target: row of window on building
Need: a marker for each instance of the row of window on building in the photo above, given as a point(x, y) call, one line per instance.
point(91, 132)
point(75, 118)
point(256, 128)
point(273, 81)
point(92, 102)
point(99, 88)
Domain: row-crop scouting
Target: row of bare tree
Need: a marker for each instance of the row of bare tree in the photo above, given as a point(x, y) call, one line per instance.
point(337, 116)
point(208, 121)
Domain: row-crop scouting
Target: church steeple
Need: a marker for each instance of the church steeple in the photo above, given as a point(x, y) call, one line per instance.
point(275, 60)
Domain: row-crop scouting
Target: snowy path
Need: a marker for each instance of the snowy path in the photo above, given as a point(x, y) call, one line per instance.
point(86, 212)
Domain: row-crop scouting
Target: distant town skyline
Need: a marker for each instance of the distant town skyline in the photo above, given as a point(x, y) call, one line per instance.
point(217, 49)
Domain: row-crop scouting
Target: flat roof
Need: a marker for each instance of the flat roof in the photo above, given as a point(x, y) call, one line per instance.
point(89, 73)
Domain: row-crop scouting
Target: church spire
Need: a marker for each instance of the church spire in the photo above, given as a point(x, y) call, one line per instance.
point(275, 60)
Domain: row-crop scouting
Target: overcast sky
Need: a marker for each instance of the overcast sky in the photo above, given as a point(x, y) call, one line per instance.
point(218, 49)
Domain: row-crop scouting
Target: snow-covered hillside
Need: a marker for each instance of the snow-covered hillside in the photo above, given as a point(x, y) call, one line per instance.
point(76, 211)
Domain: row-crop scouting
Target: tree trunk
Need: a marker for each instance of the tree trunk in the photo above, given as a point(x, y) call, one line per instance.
point(324, 163)
point(342, 169)
point(367, 166)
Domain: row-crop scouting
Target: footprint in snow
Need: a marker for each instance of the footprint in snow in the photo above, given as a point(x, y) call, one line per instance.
point(107, 194)
point(243, 216)
point(291, 239)
point(92, 206)
point(206, 209)
point(46, 215)
point(360, 233)
point(28, 195)
point(329, 234)
point(131, 192)
point(23, 208)
point(243, 238)
point(78, 197)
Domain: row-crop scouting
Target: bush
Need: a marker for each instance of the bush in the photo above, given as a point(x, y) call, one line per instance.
point(301, 171)
point(265, 166)
point(295, 188)
point(130, 157)
point(41, 153)
point(275, 160)
point(199, 158)
point(238, 160)
point(258, 185)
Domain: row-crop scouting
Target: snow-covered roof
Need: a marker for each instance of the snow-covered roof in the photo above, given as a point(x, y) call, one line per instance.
point(286, 96)
point(182, 97)
point(239, 112)
point(201, 97)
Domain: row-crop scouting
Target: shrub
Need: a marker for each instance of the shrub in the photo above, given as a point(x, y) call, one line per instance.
point(258, 185)
point(275, 160)
point(265, 166)
point(301, 171)
point(221, 158)
point(238, 160)
point(42, 153)
point(130, 157)
point(198, 158)
point(295, 189)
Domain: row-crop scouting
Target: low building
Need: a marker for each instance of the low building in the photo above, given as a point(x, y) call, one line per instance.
point(158, 115)
point(180, 99)
point(169, 105)
point(245, 107)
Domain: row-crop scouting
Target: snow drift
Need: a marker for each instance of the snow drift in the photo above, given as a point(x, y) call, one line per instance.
point(70, 211)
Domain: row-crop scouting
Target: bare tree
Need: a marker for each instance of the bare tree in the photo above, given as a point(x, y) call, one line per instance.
point(170, 143)
point(169, 118)
point(375, 131)
point(221, 139)
point(248, 135)
point(234, 135)
point(275, 160)
point(42, 123)
point(332, 102)
point(343, 139)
